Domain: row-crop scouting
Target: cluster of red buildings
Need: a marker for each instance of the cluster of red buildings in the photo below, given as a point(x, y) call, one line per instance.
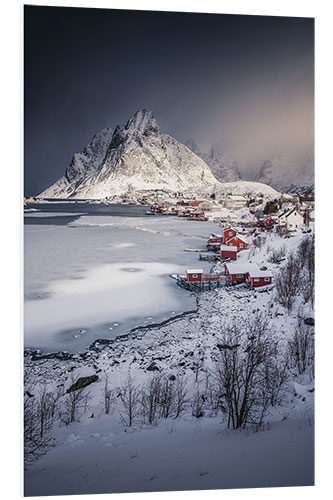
point(247, 273)
point(234, 274)
point(230, 242)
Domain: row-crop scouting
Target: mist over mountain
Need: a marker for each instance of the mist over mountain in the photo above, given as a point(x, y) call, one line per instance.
point(224, 169)
point(288, 172)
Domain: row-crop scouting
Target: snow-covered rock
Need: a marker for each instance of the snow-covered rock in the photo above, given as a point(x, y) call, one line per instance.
point(138, 157)
point(224, 169)
point(288, 172)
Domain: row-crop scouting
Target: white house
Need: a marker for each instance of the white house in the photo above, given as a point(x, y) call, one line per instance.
point(234, 202)
point(291, 220)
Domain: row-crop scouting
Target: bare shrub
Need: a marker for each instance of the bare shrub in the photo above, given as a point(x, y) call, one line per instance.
point(151, 394)
point(180, 395)
point(301, 348)
point(74, 404)
point(277, 255)
point(166, 398)
point(39, 416)
point(288, 282)
point(130, 399)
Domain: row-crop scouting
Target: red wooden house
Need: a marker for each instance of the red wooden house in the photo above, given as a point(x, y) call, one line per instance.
point(236, 273)
point(258, 277)
point(228, 252)
point(228, 233)
point(249, 273)
point(197, 216)
point(237, 241)
point(194, 275)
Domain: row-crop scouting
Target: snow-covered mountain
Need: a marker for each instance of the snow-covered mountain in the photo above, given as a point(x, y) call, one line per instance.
point(136, 157)
point(248, 189)
point(288, 172)
point(224, 169)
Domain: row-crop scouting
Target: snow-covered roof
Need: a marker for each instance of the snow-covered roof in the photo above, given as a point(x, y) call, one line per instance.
point(216, 235)
point(243, 268)
point(229, 229)
point(237, 268)
point(236, 197)
point(194, 271)
point(239, 236)
point(258, 273)
point(226, 247)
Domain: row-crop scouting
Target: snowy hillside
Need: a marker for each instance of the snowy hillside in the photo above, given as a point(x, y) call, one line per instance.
point(224, 169)
point(138, 157)
point(99, 452)
point(288, 172)
point(247, 188)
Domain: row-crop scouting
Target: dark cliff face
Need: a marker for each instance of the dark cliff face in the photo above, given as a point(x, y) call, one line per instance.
point(91, 157)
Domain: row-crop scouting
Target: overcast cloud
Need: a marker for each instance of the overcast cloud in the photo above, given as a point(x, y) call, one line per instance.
point(242, 83)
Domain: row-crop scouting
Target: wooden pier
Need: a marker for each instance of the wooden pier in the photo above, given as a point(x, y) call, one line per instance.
point(208, 282)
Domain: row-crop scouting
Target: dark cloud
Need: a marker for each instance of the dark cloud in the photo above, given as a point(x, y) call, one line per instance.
point(244, 83)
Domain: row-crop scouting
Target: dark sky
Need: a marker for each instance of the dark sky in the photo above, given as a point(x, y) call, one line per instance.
point(242, 83)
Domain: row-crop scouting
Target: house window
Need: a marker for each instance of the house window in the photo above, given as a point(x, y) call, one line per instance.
point(241, 245)
point(230, 233)
point(256, 279)
point(194, 275)
point(267, 279)
point(239, 275)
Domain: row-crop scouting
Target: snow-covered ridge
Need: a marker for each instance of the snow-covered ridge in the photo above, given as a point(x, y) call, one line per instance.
point(137, 157)
point(224, 169)
point(288, 172)
point(247, 188)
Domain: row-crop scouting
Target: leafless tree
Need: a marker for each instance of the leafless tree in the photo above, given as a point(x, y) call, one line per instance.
point(130, 399)
point(277, 254)
point(306, 253)
point(288, 282)
point(181, 395)
point(301, 348)
point(244, 370)
point(39, 416)
point(151, 394)
point(74, 404)
point(166, 399)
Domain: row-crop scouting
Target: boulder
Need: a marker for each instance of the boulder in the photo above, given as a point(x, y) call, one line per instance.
point(82, 382)
point(152, 367)
point(309, 321)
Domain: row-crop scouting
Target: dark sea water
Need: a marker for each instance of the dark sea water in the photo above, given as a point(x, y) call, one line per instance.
point(78, 208)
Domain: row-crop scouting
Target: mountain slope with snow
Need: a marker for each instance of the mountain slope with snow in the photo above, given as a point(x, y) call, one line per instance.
point(224, 169)
point(138, 157)
point(247, 189)
point(288, 172)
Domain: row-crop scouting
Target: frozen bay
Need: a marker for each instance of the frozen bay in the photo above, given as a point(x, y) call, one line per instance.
point(97, 271)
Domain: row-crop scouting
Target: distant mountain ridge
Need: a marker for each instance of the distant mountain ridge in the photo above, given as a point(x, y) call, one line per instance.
point(137, 158)
point(288, 172)
point(224, 169)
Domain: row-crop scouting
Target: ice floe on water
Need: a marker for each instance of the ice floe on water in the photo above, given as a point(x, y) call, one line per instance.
point(101, 270)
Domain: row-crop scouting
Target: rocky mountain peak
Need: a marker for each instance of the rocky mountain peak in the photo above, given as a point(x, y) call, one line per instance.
point(143, 122)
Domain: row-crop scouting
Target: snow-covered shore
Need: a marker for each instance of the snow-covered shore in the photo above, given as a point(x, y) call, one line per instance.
point(99, 454)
